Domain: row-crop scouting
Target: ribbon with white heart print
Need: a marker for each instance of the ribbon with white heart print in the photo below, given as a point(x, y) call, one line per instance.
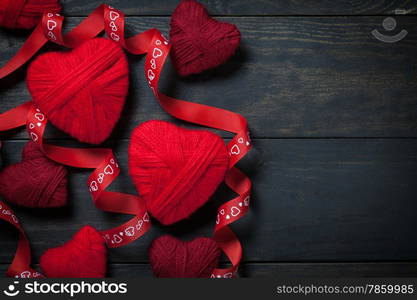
point(20, 266)
point(157, 48)
point(238, 147)
point(106, 171)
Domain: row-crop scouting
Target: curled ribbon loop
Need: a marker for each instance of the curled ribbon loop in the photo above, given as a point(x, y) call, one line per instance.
point(157, 48)
point(20, 266)
point(238, 147)
point(106, 171)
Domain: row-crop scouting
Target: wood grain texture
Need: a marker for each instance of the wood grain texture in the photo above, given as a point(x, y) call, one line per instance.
point(249, 7)
point(332, 112)
point(314, 200)
point(282, 270)
point(292, 77)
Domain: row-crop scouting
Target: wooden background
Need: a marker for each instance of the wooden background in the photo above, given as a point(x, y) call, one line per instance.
point(334, 120)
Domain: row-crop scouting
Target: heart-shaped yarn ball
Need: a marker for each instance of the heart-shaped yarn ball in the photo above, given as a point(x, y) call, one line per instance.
point(84, 256)
point(34, 182)
point(200, 42)
point(25, 13)
point(82, 92)
point(172, 258)
point(174, 169)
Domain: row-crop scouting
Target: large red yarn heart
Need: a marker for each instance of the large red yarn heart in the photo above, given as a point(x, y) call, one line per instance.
point(200, 42)
point(172, 258)
point(34, 182)
point(82, 91)
point(82, 257)
point(176, 170)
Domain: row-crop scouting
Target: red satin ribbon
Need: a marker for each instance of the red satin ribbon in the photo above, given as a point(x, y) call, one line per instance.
point(106, 171)
point(154, 44)
point(21, 261)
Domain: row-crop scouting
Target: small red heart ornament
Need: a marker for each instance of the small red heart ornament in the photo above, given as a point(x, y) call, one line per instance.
point(200, 42)
point(84, 256)
point(82, 91)
point(34, 182)
point(172, 258)
point(176, 170)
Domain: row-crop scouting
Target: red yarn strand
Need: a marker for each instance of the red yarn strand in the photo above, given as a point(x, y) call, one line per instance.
point(25, 13)
point(11, 13)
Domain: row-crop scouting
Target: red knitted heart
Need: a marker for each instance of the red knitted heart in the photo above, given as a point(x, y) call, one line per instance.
point(172, 258)
point(83, 91)
point(34, 182)
point(82, 257)
point(198, 41)
point(176, 170)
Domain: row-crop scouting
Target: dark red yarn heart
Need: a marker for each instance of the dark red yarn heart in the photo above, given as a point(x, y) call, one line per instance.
point(200, 42)
point(34, 182)
point(172, 258)
point(25, 13)
point(83, 91)
point(176, 170)
point(84, 256)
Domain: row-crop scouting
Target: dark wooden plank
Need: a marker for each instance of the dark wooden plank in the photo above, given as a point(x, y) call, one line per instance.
point(295, 270)
point(314, 200)
point(292, 77)
point(248, 7)
point(327, 270)
point(282, 270)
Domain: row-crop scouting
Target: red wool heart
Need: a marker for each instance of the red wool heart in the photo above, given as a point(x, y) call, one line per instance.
point(172, 258)
point(82, 257)
point(82, 92)
point(35, 182)
point(200, 42)
point(25, 13)
point(175, 170)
